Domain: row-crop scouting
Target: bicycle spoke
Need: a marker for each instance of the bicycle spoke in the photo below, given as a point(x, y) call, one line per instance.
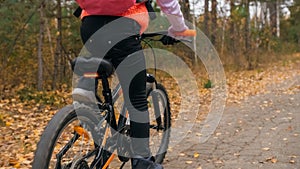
point(65, 149)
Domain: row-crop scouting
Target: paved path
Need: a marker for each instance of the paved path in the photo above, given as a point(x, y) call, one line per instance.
point(261, 132)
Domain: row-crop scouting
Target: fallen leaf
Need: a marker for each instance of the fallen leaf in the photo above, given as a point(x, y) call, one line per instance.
point(7, 124)
point(219, 162)
point(18, 165)
point(272, 160)
point(189, 162)
point(292, 161)
point(236, 154)
point(196, 155)
point(198, 134)
point(12, 161)
point(274, 128)
point(182, 154)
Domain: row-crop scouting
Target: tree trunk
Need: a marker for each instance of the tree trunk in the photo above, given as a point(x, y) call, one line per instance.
point(247, 36)
point(49, 37)
point(58, 51)
point(273, 20)
point(40, 48)
point(213, 21)
point(206, 18)
point(232, 30)
point(223, 36)
point(185, 8)
point(278, 18)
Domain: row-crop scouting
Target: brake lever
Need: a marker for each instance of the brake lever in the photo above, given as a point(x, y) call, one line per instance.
point(187, 39)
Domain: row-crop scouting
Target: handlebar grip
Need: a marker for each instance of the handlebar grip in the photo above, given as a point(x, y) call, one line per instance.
point(188, 32)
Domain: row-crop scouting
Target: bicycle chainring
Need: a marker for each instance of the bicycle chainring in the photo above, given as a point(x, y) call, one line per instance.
point(79, 163)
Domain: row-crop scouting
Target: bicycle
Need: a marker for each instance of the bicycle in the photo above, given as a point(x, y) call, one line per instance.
point(105, 133)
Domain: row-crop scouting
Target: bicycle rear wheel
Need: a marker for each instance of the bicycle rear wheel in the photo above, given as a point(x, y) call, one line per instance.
point(70, 136)
point(160, 121)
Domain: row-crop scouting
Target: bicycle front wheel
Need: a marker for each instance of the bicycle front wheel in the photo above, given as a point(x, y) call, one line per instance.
point(69, 139)
point(160, 121)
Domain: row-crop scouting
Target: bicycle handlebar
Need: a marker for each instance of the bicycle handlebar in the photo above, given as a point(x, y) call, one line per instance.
point(186, 33)
point(153, 34)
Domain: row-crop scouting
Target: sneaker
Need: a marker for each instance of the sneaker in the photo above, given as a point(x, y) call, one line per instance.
point(85, 90)
point(145, 163)
point(83, 95)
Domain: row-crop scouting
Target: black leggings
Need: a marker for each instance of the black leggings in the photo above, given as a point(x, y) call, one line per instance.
point(117, 39)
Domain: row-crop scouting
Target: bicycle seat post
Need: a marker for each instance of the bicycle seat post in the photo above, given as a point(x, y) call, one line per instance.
point(106, 91)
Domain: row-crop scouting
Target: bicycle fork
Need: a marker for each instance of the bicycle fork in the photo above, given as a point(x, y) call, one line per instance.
point(152, 82)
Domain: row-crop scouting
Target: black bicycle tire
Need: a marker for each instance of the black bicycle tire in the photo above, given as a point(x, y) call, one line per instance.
point(51, 133)
point(159, 158)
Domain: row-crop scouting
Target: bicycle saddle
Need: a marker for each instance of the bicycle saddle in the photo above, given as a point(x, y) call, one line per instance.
point(82, 66)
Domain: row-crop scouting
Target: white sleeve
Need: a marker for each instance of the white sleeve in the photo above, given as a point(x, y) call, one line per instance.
point(174, 15)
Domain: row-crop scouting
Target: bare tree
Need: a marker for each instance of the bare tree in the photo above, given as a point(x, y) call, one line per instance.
point(40, 47)
point(206, 18)
point(273, 14)
point(278, 18)
point(185, 8)
point(58, 51)
point(213, 21)
point(247, 35)
point(232, 28)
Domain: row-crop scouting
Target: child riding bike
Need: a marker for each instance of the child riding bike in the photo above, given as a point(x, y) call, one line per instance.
point(116, 37)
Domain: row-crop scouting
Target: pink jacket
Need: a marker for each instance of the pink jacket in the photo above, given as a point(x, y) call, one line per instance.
point(138, 12)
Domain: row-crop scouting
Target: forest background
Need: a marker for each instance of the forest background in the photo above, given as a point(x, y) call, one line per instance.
point(38, 37)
